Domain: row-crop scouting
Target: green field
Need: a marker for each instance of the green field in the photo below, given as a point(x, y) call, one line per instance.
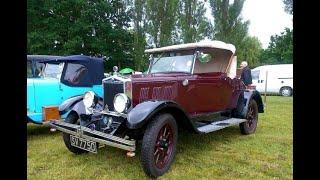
point(225, 154)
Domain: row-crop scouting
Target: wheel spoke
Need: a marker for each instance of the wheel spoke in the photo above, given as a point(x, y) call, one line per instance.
point(164, 132)
point(156, 152)
point(167, 136)
point(157, 158)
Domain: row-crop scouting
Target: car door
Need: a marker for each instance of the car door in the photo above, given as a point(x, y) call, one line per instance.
point(46, 88)
point(258, 79)
point(273, 83)
point(205, 92)
point(213, 91)
point(255, 76)
point(187, 93)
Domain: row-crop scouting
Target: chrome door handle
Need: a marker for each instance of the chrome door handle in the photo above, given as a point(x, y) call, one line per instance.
point(185, 82)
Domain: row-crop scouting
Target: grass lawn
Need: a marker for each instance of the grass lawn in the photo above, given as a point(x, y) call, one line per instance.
point(225, 154)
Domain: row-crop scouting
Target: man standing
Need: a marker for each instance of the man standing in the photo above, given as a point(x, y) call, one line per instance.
point(245, 73)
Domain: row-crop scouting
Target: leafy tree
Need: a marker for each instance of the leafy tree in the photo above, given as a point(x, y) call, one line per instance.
point(228, 24)
point(161, 18)
point(139, 22)
point(193, 24)
point(98, 28)
point(280, 49)
point(288, 6)
point(251, 50)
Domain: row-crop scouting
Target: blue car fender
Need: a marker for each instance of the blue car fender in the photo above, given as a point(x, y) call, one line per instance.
point(76, 104)
point(73, 103)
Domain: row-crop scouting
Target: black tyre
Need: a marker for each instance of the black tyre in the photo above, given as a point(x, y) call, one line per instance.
point(286, 91)
point(250, 125)
point(72, 118)
point(159, 145)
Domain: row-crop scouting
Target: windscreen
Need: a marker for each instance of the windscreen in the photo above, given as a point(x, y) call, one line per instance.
point(163, 64)
point(53, 70)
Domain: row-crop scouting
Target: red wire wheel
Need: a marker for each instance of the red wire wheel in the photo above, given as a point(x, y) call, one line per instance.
point(159, 145)
point(164, 146)
point(250, 125)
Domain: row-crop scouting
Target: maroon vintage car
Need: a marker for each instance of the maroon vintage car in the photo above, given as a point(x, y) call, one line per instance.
point(188, 86)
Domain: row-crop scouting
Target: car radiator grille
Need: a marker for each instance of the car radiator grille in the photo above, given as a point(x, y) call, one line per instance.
point(110, 89)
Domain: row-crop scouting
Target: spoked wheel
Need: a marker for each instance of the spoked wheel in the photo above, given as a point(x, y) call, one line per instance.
point(164, 146)
point(159, 145)
point(250, 125)
point(72, 118)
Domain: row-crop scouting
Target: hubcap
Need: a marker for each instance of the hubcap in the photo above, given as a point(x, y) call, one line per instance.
point(164, 146)
point(286, 92)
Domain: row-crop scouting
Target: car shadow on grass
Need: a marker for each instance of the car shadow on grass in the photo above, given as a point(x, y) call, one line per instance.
point(207, 142)
point(38, 130)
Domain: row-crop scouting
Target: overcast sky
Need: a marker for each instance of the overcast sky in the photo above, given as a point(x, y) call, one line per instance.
point(267, 17)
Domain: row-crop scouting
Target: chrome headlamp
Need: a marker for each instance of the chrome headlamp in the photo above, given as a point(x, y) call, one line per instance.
point(89, 99)
point(121, 102)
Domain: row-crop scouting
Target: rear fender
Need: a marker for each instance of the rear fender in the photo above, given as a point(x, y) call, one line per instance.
point(252, 94)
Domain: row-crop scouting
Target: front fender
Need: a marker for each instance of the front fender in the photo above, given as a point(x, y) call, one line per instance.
point(143, 112)
point(68, 104)
point(76, 104)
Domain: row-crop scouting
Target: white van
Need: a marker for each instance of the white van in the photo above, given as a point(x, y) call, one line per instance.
point(280, 79)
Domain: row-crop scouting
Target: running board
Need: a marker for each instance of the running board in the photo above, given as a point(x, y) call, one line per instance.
point(215, 126)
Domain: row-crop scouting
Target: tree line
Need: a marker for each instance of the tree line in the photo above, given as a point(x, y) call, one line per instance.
point(122, 29)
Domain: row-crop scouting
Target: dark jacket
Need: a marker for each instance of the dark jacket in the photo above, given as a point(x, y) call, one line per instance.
point(246, 76)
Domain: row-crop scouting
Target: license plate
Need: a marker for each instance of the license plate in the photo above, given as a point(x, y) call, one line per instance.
point(84, 144)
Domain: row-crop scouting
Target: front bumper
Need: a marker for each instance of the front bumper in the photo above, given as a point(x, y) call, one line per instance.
point(94, 135)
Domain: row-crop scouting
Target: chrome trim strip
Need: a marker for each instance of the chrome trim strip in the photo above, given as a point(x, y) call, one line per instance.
point(129, 94)
point(124, 80)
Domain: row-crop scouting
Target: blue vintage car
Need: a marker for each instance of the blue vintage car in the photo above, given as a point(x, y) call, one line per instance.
point(53, 79)
point(36, 62)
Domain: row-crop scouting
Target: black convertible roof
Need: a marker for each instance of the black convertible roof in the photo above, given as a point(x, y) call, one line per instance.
point(42, 57)
point(62, 58)
point(94, 64)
